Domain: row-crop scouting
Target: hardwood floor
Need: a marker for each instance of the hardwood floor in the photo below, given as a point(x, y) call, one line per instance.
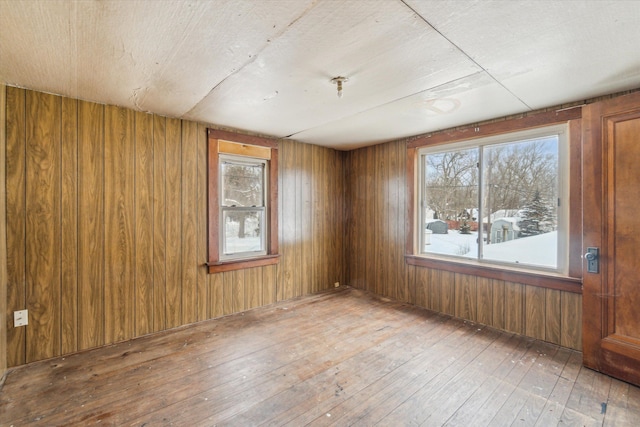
point(344, 357)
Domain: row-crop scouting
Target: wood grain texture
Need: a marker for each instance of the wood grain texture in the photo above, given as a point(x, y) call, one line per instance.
point(553, 316)
point(16, 222)
point(3, 230)
point(216, 295)
point(69, 250)
point(189, 225)
point(91, 225)
point(391, 364)
point(571, 319)
point(115, 241)
point(203, 287)
point(253, 287)
point(43, 227)
point(466, 297)
point(119, 223)
point(535, 312)
point(269, 284)
point(159, 223)
point(173, 306)
point(485, 300)
point(144, 234)
point(514, 301)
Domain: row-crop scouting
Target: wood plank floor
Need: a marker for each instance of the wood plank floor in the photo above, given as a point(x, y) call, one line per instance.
point(343, 357)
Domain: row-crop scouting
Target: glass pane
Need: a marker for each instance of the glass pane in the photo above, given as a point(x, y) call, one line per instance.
point(243, 231)
point(520, 191)
point(242, 184)
point(450, 209)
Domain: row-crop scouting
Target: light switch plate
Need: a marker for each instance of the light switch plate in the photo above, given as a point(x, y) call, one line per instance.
point(20, 318)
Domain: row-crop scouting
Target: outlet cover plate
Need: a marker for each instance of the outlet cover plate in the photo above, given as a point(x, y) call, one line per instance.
point(20, 318)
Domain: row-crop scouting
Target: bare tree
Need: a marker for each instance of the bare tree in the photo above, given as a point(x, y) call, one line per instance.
point(451, 182)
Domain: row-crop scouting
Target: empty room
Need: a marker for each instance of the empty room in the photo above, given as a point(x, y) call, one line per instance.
point(319, 212)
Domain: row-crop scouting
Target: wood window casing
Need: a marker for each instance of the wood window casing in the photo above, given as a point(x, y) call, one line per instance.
point(247, 145)
point(572, 282)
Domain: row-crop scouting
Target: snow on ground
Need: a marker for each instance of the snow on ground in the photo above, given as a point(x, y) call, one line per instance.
point(538, 250)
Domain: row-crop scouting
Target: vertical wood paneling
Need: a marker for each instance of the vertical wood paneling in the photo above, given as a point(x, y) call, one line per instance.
point(125, 207)
point(317, 219)
point(90, 225)
point(369, 215)
point(552, 315)
point(395, 212)
point(3, 231)
point(151, 200)
point(201, 235)
point(435, 290)
point(338, 224)
point(288, 229)
point(144, 222)
point(16, 221)
point(448, 289)
point(216, 295)
point(253, 287)
point(119, 224)
point(535, 312)
point(236, 279)
point(498, 304)
point(326, 237)
point(228, 291)
point(485, 300)
point(173, 306)
point(69, 251)
point(189, 176)
point(465, 296)
point(571, 320)
point(159, 223)
point(514, 307)
point(305, 220)
point(376, 215)
point(269, 283)
point(422, 287)
point(377, 232)
point(400, 218)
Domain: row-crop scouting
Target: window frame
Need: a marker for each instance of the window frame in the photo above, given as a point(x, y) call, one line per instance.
point(481, 144)
point(239, 145)
point(570, 281)
point(264, 207)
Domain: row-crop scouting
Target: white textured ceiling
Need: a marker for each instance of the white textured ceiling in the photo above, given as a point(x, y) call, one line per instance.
point(414, 66)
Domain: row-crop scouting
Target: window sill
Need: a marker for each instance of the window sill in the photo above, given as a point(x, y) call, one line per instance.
point(526, 277)
point(240, 264)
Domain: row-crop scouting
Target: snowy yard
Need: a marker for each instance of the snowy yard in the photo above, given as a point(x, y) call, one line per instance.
point(540, 250)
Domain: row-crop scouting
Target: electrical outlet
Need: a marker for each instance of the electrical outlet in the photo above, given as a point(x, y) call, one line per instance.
point(20, 318)
point(337, 284)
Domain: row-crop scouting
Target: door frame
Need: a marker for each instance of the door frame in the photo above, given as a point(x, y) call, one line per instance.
point(602, 350)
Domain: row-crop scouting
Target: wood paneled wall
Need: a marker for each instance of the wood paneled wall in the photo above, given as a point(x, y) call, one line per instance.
point(376, 243)
point(3, 234)
point(106, 215)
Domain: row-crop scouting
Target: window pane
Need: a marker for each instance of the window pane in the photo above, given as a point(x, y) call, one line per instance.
point(243, 231)
point(450, 207)
point(242, 184)
point(520, 191)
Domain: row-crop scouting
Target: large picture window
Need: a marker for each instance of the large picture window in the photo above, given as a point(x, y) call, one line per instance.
point(499, 200)
point(243, 199)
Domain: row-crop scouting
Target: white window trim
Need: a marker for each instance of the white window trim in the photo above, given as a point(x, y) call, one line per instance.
point(264, 237)
point(562, 131)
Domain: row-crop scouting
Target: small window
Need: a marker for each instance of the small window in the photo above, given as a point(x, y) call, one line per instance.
point(497, 200)
point(243, 207)
point(243, 228)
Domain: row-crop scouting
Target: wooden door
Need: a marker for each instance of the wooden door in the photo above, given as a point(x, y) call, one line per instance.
point(611, 179)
